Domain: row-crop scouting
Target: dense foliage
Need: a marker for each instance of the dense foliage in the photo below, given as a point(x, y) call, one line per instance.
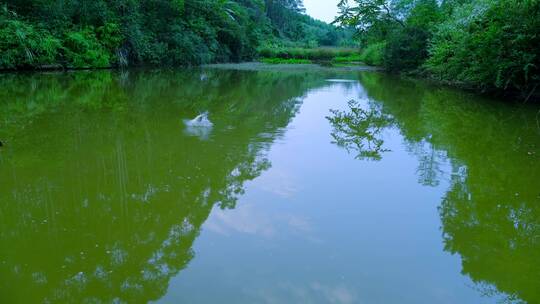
point(484, 44)
point(101, 33)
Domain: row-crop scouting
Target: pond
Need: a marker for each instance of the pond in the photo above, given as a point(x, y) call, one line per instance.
point(304, 185)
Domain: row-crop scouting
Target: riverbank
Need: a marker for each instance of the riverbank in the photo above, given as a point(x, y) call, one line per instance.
point(507, 94)
point(313, 67)
point(103, 34)
point(355, 60)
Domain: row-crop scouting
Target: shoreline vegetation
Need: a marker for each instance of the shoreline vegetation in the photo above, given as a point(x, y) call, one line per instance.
point(488, 46)
point(325, 55)
point(83, 34)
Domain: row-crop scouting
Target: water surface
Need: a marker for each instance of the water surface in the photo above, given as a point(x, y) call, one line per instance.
point(309, 186)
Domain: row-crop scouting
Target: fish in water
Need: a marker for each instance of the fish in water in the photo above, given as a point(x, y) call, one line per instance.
point(1, 144)
point(199, 121)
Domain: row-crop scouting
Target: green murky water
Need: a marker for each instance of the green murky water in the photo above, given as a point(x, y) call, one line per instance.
point(310, 186)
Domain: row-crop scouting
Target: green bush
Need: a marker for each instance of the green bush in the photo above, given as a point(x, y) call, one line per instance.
point(489, 44)
point(110, 36)
point(406, 49)
point(83, 50)
point(187, 48)
point(23, 45)
point(373, 54)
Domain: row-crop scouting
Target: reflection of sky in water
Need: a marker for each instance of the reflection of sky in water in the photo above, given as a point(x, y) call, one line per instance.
point(278, 182)
point(250, 220)
point(359, 241)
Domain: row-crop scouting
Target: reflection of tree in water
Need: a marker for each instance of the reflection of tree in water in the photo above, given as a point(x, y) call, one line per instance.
point(494, 225)
point(491, 213)
point(430, 161)
point(359, 130)
point(102, 196)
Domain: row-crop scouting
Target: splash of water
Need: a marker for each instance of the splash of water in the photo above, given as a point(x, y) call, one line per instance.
point(199, 126)
point(199, 121)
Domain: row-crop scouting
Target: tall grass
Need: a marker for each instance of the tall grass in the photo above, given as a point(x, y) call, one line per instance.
point(320, 54)
point(348, 59)
point(285, 61)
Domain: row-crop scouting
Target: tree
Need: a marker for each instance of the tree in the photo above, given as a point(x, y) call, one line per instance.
point(364, 14)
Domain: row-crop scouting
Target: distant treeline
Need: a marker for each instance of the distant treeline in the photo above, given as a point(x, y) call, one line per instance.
point(482, 44)
point(101, 33)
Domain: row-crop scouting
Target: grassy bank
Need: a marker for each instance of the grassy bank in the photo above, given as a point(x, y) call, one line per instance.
point(372, 55)
point(314, 54)
point(285, 61)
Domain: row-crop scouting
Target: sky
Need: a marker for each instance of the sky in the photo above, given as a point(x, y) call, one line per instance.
point(325, 10)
